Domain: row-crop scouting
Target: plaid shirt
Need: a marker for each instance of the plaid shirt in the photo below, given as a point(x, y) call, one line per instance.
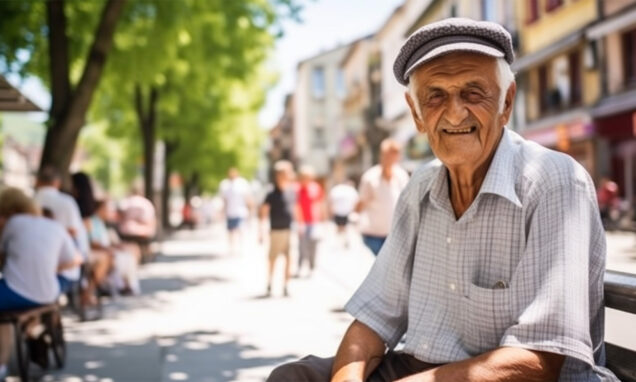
point(522, 267)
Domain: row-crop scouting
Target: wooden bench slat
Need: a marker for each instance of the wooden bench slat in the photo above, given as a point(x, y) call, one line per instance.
point(620, 291)
point(622, 362)
point(21, 315)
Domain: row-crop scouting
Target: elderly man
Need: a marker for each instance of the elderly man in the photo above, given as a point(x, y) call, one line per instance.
point(494, 265)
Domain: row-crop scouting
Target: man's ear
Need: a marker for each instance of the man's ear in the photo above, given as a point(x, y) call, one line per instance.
point(509, 103)
point(416, 118)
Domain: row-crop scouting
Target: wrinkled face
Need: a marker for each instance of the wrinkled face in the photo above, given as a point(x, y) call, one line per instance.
point(456, 102)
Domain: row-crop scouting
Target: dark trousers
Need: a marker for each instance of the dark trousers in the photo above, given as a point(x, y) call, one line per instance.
point(394, 365)
point(374, 243)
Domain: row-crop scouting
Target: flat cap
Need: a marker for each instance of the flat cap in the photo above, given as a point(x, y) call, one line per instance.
point(451, 35)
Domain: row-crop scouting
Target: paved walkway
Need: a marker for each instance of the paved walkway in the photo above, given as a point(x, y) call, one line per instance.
point(203, 316)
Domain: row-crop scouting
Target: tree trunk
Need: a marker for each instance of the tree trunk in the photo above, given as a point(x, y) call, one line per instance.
point(165, 191)
point(68, 109)
point(191, 187)
point(147, 117)
point(58, 57)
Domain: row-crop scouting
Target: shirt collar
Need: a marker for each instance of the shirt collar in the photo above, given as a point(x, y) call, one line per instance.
point(500, 178)
point(501, 175)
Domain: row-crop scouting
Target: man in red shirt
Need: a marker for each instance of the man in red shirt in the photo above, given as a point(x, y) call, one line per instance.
point(309, 212)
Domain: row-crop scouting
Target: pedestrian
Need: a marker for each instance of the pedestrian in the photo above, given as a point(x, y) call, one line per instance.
point(343, 198)
point(137, 221)
point(380, 188)
point(64, 209)
point(309, 214)
point(34, 250)
point(493, 269)
point(608, 202)
point(236, 194)
point(278, 207)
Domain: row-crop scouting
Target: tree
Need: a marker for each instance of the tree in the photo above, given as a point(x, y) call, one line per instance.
point(177, 73)
point(70, 100)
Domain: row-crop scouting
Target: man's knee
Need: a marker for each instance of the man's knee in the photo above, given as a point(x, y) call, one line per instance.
point(308, 369)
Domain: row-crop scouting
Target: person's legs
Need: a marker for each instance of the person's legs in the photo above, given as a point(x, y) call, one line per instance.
point(6, 344)
point(394, 365)
point(303, 248)
point(10, 300)
point(285, 239)
point(275, 247)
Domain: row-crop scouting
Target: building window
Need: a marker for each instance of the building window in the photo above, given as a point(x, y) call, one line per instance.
point(319, 141)
point(318, 82)
point(341, 87)
point(488, 10)
point(629, 56)
point(533, 11)
point(574, 59)
point(550, 5)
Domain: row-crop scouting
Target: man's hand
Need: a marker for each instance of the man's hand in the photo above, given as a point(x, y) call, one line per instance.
point(502, 364)
point(360, 352)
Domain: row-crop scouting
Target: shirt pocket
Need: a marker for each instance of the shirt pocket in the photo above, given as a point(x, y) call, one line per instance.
point(486, 316)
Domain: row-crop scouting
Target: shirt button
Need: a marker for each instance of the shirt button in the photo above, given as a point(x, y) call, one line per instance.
point(448, 240)
point(451, 286)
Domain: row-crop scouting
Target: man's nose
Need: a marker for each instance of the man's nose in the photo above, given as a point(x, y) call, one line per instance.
point(456, 112)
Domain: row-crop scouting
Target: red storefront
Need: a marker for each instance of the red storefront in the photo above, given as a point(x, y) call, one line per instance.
point(620, 132)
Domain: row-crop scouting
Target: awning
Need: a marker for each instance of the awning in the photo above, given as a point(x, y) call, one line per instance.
point(12, 100)
point(615, 104)
point(612, 24)
point(536, 58)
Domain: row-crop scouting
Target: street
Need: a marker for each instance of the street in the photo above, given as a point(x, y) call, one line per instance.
point(203, 315)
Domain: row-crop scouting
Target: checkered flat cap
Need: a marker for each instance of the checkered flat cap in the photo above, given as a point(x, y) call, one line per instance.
point(451, 35)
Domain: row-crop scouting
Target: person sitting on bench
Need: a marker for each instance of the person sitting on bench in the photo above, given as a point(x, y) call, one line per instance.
point(33, 250)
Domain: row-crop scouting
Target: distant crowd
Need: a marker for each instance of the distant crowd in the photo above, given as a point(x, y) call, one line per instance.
point(297, 204)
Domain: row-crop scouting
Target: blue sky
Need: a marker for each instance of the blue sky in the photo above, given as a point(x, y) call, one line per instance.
point(326, 24)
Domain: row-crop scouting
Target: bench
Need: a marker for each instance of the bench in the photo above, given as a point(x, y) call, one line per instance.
point(620, 294)
point(44, 321)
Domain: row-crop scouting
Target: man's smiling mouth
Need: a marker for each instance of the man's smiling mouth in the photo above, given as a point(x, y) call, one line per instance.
point(467, 130)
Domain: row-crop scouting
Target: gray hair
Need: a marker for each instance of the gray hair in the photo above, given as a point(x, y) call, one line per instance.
point(505, 78)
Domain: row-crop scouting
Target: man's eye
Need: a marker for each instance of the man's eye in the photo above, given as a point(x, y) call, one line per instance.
point(474, 96)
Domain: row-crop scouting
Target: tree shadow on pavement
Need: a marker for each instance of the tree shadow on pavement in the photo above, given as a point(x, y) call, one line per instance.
point(161, 258)
point(208, 357)
point(196, 356)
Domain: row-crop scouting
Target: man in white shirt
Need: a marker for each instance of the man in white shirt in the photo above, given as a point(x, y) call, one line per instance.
point(64, 210)
point(380, 188)
point(236, 195)
point(343, 198)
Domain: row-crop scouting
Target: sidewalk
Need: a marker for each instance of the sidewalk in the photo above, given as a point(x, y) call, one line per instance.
point(203, 316)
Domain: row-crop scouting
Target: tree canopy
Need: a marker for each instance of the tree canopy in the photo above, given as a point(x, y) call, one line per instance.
point(202, 61)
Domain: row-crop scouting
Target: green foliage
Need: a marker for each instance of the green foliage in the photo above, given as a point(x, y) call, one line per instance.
point(205, 57)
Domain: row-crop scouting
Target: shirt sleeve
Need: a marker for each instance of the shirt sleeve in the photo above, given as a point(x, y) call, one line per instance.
point(381, 302)
point(557, 287)
point(365, 193)
point(68, 249)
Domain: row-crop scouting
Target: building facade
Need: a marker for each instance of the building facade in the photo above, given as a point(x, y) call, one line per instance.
point(320, 90)
point(558, 77)
point(615, 115)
